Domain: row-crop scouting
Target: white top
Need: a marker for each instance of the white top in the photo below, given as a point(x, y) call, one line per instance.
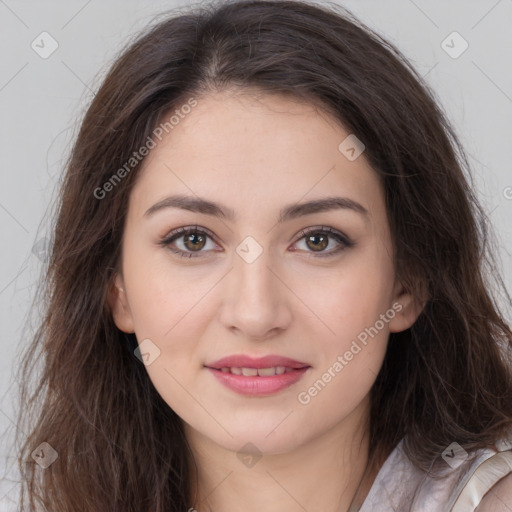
point(401, 487)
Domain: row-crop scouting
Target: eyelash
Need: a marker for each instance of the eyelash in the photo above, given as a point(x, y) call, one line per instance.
point(344, 241)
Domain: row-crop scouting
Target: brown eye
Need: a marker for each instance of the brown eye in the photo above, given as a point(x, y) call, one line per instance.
point(194, 241)
point(317, 242)
point(318, 239)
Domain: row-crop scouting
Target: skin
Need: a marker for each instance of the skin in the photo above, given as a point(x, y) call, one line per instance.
point(256, 153)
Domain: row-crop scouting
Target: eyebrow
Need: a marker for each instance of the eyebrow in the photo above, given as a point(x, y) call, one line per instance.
point(289, 212)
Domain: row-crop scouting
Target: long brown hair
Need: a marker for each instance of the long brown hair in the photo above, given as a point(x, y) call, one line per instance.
point(120, 446)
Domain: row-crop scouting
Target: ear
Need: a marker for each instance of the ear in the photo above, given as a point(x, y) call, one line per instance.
point(407, 306)
point(119, 306)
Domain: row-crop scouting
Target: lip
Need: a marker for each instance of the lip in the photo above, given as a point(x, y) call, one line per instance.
point(257, 385)
point(243, 361)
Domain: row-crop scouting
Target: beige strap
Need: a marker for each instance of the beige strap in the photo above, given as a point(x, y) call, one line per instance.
point(485, 476)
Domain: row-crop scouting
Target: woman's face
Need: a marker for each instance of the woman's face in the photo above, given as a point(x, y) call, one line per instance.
point(264, 278)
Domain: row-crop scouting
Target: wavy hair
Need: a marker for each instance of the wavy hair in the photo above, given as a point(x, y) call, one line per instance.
point(447, 378)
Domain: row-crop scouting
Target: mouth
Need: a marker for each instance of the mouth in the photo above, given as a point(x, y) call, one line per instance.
point(258, 377)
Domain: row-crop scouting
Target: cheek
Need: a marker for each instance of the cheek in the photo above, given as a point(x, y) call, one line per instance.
point(357, 308)
point(174, 385)
point(359, 313)
point(158, 295)
point(167, 305)
point(359, 294)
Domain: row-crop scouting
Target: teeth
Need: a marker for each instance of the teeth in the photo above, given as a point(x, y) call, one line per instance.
point(262, 372)
point(266, 372)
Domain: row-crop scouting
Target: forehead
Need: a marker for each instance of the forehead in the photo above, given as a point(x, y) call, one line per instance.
point(245, 149)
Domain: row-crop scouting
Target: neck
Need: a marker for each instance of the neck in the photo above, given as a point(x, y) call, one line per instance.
point(329, 473)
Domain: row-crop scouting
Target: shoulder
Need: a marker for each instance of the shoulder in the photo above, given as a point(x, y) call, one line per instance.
point(498, 498)
point(488, 485)
point(480, 481)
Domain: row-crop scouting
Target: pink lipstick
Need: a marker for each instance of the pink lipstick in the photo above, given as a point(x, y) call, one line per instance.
point(257, 376)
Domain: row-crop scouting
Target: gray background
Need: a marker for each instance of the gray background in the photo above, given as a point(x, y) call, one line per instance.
point(42, 101)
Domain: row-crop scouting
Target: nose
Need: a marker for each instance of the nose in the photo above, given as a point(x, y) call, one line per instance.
point(257, 301)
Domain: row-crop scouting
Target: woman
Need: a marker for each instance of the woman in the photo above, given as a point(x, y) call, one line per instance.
point(268, 285)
